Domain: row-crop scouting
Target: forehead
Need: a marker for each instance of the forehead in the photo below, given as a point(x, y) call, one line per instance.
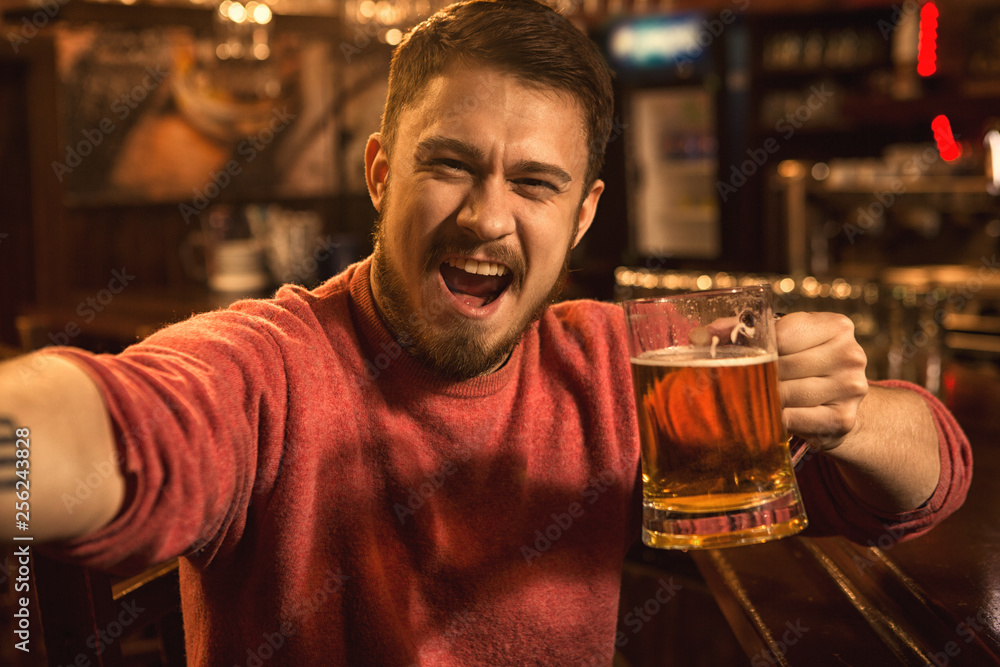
point(496, 110)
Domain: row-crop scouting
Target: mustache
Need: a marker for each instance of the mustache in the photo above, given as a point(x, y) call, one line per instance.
point(495, 251)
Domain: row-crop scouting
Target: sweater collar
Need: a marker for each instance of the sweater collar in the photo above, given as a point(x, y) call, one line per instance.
point(391, 363)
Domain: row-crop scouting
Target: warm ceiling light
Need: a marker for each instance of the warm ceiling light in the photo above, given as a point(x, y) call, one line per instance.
point(262, 14)
point(237, 13)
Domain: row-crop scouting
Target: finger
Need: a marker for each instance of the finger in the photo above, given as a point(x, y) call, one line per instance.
point(801, 331)
point(835, 356)
point(816, 391)
point(820, 424)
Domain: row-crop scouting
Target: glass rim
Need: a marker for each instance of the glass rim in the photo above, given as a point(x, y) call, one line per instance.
point(700, 293)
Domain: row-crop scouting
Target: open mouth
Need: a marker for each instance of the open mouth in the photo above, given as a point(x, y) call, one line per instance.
point(475, 283)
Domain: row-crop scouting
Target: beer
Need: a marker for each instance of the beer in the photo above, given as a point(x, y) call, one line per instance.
point(714, 452)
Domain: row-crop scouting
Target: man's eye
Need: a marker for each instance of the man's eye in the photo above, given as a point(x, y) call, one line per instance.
point(536, 185)
point(450, 164)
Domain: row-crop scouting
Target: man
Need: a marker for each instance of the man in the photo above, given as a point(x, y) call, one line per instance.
point(421, 461)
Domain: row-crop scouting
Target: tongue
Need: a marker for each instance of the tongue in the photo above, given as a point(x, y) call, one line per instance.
point(481, 289)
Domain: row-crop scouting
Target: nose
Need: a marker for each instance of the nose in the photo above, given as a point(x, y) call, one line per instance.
point(486, 211)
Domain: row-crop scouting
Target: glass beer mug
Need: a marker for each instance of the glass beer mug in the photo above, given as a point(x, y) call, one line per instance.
point(716, 465)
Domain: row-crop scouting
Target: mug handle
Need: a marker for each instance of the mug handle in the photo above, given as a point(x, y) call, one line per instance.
point(798, 448)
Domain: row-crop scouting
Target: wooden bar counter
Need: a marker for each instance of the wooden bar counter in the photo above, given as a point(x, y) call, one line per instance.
point(933, 600)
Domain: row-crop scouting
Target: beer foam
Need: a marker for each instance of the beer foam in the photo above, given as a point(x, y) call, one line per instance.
point(691, 356)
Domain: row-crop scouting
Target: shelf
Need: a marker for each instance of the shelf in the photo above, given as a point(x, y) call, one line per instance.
point(695, 167)
point(942, 185)
point(976, 324)
point(949, 276)
point(973, 342)
point(779, 79)
point(945, 185)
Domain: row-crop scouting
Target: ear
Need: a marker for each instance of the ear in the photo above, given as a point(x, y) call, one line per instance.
point(587, 210)
point(376, 169)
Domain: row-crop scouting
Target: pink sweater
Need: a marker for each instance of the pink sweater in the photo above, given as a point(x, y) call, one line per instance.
point(337, 505)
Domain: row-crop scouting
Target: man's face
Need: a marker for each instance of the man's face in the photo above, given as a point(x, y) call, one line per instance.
point(480, 202)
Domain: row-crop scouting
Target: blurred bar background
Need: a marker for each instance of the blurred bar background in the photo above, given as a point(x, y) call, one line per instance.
point(161, 158)
point(209, 151)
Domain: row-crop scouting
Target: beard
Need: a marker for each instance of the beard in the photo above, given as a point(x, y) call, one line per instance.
point(446, 343)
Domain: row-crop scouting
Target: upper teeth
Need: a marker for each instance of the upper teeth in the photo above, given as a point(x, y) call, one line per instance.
point(482, 268)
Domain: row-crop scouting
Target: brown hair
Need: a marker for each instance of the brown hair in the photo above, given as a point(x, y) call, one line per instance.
point(521, 37)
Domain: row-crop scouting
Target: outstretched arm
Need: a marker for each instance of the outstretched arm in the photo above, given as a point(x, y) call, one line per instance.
point(883, 441)
point(69, 434)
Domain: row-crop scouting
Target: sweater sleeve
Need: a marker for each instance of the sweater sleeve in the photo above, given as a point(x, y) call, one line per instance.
point(833, 509)
point(190, 408)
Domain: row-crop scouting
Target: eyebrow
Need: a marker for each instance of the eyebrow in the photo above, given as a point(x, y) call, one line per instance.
point(474, 153)
point(534, 167)
point(462, 148)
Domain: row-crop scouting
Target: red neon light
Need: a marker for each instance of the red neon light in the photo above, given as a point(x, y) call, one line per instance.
point(927, 52)
point(949, 381)
point(947, 146)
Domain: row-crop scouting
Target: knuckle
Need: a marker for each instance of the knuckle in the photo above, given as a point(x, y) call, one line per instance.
point(842, 323)
point(853, 355)
point(824, 439)
point(844, 417)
